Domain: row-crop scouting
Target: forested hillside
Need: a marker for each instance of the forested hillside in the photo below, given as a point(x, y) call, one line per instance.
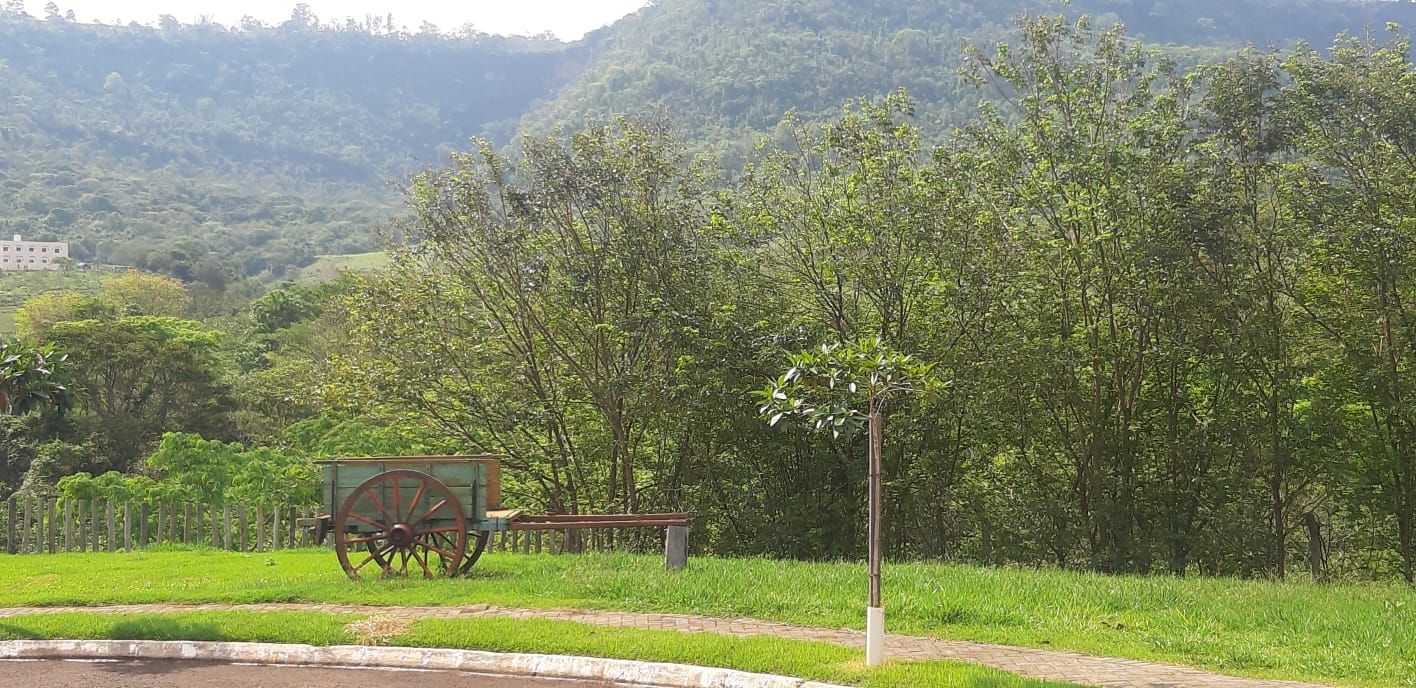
point(217, 153)
point(208, 152)
point(726, 70)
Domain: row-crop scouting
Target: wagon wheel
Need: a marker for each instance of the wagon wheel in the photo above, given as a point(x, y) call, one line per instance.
point(398, 535)
point(482, 537)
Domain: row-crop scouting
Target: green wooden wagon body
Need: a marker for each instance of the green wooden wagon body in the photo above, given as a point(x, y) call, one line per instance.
point(428, 512)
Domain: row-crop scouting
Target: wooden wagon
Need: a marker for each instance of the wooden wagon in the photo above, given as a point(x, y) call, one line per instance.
point(435, 514)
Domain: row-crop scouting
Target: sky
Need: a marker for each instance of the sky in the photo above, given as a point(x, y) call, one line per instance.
point(568, 19)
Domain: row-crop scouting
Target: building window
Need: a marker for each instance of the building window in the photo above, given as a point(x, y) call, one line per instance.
point(31, 249)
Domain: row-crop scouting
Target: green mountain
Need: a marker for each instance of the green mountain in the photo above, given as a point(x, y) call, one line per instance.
point(726, 70)
point(203, 151)
point(214, 153)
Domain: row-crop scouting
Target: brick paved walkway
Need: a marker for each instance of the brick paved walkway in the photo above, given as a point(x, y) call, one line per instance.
point(1044, 664)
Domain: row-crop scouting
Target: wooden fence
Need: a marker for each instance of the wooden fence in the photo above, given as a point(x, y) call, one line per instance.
point(47, 526)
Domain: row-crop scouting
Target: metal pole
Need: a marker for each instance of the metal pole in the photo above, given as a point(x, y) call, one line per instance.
point(875, 614)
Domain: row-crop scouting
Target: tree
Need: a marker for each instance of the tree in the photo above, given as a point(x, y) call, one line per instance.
point(1086, 181)
point(139, 293)
point(1353, 115)
point(546, 307)
point(32, 379)
point(839, 388)
point(139, 376)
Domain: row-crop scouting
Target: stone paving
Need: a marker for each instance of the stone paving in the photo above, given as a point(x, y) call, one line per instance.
point(1044, 664)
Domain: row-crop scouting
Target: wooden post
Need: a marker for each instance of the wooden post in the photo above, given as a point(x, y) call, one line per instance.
point(94, 534)
point(10, 547)
point(226, 530)
point(25, 509)
point(112, 527)
point(143, 526)
point(875, 614)
point(186, 523)
point(95, 523)
point(276, 534)
point(53, 526)
point(68, 525)
point(241, 527)
point(676, 548)
point(80, 516)
point(215, 524)
point(260, 516)
point(127, 526)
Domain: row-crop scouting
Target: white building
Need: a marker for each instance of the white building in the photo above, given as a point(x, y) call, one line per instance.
point(32, 255)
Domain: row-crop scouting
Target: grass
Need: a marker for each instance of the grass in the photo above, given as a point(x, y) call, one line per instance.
point(1348, 634)
point(818, 661)
point(326, 268)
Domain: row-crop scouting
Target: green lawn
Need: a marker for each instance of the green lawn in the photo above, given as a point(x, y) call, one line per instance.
point(326, 268)
point(1349, 634)
point(816, 661)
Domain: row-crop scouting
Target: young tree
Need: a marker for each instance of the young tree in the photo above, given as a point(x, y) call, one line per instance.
point(839, 388)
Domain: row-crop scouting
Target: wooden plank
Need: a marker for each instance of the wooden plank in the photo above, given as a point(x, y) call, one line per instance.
point(226, 531)
point(68, 525)
point(215, 527)
point(80, 515)
point(112, 527)
point(11, 508)
point(277, 536)
point(25, 518)
point(95, 524)
point(592, 525)
point(241, 541)
point(50, 540)
point(127, 526)
point(557, 518)
point(143, 526)
point(537, 533)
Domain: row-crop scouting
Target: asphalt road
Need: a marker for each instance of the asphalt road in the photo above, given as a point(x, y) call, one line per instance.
point(166, 674)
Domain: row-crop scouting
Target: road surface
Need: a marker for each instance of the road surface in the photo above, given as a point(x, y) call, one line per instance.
point(170, 674)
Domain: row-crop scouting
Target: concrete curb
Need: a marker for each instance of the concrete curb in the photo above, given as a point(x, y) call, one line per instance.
point(618, 671)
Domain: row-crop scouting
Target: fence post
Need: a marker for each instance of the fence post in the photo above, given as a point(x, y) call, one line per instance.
point(112, 526)
point(127, 526)
point(94, 523)
point(143, 525)
point(26, 518)
point(676, 548)
point(276, 534)
point(10, 526)
point(68, 525)
point(53, 509)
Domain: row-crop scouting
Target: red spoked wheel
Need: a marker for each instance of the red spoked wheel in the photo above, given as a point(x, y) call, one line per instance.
point(401, 521)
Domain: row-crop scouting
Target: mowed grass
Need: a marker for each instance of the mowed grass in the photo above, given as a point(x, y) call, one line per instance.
point(818, 661)
point(1348, 634)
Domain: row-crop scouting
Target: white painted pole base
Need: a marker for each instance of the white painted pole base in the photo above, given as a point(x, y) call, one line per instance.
point(874, 636)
